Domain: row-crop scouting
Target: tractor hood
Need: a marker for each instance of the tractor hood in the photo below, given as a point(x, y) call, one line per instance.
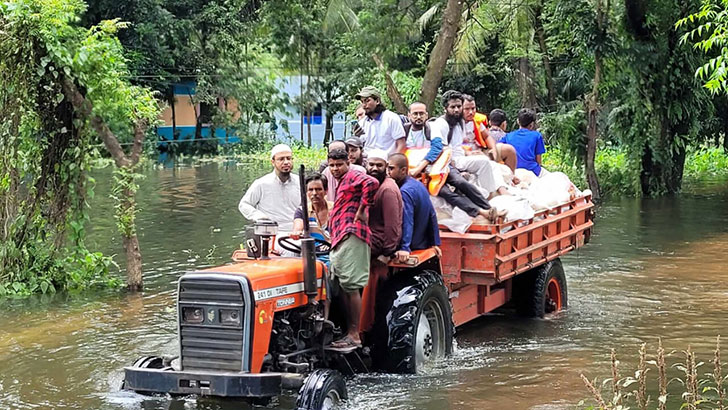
point(272, 278)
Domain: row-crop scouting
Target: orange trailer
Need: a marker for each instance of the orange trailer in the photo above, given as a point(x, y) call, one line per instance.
point(478, 266)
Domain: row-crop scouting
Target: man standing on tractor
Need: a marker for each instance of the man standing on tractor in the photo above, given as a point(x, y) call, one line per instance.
point(385, 215)
point(333, 183)
point(382, 128)
point(419, 220)
point(350, 239)
point(274, 196)
point(356, 155)
point(385, 222)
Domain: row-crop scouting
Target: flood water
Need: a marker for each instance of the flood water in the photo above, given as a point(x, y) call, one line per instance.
point(654, 268)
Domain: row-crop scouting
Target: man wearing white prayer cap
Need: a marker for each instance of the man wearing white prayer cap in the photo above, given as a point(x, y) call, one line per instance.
point(274, 196)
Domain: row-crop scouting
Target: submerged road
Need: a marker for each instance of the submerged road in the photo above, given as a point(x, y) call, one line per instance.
point(655, 268)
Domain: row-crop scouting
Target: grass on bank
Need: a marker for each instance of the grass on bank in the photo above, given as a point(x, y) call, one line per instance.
point(657, 384)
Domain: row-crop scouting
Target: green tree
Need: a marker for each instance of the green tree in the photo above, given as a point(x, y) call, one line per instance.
point(711, 37)
point(657, 105)
point(84, 78)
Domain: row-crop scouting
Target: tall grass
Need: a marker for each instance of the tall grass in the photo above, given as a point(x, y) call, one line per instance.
point(618, 174)
point(705, 163)
point(688, 388)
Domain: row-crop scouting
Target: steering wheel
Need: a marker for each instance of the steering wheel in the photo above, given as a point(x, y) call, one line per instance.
point(321, 246)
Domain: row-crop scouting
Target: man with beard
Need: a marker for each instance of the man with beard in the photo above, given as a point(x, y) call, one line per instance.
point(382, 128)
point(356, 155)
point(385, 216)
point(477, 139)
point(350, 239)
point(275, 196)
point(385, 222)
point(457, 191)
point(452, 124)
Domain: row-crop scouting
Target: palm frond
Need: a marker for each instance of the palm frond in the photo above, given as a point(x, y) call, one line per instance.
point(426, 18)
point(340, 14)
point(475, 30)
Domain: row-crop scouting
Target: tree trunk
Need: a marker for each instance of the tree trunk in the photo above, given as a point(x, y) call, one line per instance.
point(172, 103)
point(308, 126)
point(111, 142)
point(548, 73)
point(392, 91)
point(441, 52)
point(300, 96)
point(134, 280)
point(592, 115)
point(525, 84)
point(592, 112)
point(662, 173)
point(329, 133)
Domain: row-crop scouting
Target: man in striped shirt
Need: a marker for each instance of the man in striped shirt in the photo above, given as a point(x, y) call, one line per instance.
point(350, 238)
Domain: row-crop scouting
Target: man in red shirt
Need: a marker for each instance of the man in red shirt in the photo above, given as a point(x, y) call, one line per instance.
point(350, 238)
point(385, 222)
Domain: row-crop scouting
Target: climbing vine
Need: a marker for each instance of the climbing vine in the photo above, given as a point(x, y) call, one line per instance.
point(63, 88)
point(125, 188)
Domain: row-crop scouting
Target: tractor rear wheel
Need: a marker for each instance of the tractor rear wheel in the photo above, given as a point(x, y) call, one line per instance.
point(323, 389)
point(419, 324)
point(541, 291)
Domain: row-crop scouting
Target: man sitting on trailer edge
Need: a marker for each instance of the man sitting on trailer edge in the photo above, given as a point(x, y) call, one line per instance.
point(419, 220)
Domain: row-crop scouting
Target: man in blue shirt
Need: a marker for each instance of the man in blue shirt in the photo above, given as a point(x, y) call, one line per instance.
point(528, 142)
point(419, 220)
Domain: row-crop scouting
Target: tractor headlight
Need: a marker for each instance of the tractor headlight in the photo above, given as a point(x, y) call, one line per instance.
point(265, 227)
point(192, 314)
point(230, 317)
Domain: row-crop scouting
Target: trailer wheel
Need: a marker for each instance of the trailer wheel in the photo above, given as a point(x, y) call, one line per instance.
point(541, 291)
point(322, 389)
point(419, 322)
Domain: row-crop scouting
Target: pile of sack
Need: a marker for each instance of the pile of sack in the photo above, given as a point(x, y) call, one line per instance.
point(531, 195)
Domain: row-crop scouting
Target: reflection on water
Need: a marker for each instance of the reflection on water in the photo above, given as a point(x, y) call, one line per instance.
point(654, 268)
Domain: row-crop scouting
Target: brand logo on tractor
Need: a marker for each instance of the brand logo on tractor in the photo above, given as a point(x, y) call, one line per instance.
point(285, 302)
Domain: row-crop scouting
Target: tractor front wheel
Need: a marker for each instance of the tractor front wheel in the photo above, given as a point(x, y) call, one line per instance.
point(322, 390)
point(147, 362)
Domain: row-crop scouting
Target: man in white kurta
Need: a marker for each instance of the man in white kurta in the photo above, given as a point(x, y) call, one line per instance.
point(274, 196)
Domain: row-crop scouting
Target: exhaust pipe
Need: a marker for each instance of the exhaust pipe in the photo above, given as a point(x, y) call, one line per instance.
point(308, 248)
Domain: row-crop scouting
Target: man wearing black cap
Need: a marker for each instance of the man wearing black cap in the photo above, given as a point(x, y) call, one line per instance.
point(354, 148)
point(383, 129)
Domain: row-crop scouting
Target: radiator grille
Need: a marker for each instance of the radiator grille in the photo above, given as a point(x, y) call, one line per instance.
point(209, 290)
point(209, 345)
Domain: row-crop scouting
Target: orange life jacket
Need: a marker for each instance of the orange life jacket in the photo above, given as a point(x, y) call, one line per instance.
point(478, 120)
point(439, 170)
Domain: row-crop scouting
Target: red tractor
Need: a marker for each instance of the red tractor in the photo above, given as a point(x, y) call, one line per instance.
point(256, 327)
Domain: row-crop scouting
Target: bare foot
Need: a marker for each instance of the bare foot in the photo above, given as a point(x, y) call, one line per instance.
point(503, 191)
